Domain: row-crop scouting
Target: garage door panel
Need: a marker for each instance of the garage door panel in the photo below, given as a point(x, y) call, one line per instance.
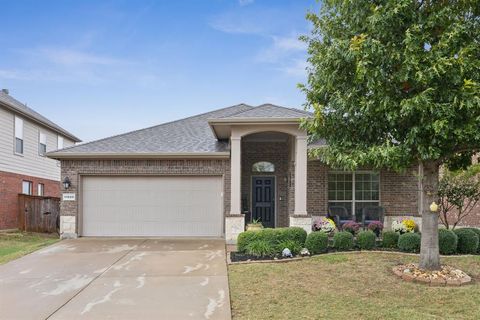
point(152, 206)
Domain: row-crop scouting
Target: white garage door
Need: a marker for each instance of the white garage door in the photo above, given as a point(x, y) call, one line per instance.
point(152, 206)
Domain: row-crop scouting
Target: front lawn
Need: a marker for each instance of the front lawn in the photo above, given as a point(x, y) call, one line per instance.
point(348, 286)
point(15, 245)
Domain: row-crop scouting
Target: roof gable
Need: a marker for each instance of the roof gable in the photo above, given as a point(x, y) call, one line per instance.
point(18, 107)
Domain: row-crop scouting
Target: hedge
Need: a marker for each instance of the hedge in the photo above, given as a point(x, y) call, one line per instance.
point(447, 241)
point(366, 240)
point(276, 238)
point(409, 242)
point(317, 242)
point(390, 239)
point(343, 240)
point(467, 241)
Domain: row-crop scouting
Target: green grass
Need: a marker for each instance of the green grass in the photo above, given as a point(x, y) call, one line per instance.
point(16, 244)
point(348, 286)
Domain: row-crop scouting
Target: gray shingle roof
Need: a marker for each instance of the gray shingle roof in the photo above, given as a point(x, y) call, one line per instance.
point(15, 105)
point(269, 111)
point(191, 135)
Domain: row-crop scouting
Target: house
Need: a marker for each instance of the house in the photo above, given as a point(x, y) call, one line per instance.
point(199, 175)
point(25, 138)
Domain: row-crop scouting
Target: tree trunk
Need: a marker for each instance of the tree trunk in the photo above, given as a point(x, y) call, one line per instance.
point(428, 185)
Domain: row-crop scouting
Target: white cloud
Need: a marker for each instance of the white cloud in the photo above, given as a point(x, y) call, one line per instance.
point(65, 56)
point(281, 47)
point(296, 68)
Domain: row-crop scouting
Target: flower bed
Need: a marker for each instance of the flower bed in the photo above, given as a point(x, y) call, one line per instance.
point(446, 276)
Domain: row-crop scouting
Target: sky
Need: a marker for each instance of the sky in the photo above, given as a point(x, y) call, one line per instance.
point(99, 68)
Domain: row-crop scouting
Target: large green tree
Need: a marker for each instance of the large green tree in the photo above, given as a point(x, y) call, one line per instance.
point(395, 84)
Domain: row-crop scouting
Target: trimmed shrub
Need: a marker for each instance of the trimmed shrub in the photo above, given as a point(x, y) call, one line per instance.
point(409, 242)
point(477, 231)
point(260, 248)
point(447, 241)
point(366, 240)
point(390, 239)
point(317, 242)
point(343, 240)
point(467, 241)
point(275, 237)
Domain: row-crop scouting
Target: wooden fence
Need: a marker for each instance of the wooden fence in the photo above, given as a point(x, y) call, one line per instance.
point(38, 214)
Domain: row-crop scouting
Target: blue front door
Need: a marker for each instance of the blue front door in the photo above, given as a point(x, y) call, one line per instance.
point(263, 200)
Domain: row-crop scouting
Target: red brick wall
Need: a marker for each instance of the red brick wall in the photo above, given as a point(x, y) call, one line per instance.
point(11, 186)
point(398, 191)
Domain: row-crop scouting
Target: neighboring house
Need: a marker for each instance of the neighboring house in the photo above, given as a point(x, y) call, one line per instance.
point(25, 138)
point(197, 176)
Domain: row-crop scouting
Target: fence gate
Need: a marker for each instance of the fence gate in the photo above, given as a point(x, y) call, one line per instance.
point(38, 214)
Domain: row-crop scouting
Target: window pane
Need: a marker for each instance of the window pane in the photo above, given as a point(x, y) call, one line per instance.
point(18, 145)
point(359, 207)
point(27, 187)
point(346, 205)
point(40, 189)
point(263, 166)
point(42, 149)
point(18, 128)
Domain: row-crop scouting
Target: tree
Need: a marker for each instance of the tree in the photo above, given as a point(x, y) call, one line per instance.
point(459, 193)
point(395, 84)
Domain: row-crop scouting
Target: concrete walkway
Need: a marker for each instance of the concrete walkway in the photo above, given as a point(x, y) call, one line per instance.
point(92, 278)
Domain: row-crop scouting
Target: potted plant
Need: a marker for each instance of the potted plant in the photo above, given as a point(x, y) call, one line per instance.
point(376, 227)
point(404, 225)
point(324, 224)
point(351, 226)
point(256, 224)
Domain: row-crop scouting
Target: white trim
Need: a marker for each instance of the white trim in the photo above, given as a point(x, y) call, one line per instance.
point(139, 155)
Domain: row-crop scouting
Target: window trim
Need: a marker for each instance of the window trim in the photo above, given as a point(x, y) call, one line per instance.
point(30, 187)
point(379, 201)
point(41, 187)
point(15, 118)
point(40, 144)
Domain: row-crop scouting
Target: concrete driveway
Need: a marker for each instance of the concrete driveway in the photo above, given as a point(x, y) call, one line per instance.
point(93, 278)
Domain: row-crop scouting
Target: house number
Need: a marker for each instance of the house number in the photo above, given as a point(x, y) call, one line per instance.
point(68, 197)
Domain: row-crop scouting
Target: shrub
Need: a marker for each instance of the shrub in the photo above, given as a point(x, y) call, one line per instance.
point(390, 239)
point(351, 226)
point(317, 242)
point(467, 241)
point(366, 240)
point(343, 240)
point(409, 242)
point(260, 248)
point(447, 241)
point(275, 237)
point(477, 231)
point(293, 245)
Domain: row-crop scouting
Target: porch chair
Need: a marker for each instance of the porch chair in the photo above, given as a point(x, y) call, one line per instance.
point(339, 215)
point(372, 213)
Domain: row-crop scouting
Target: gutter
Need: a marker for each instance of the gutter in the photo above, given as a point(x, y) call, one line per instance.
point(138, 156)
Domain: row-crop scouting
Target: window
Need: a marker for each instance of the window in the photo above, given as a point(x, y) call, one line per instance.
point(40, 189)
point(27, 187)
point(59, 142)
point(354, 191)
point(263, 166)
point(42, 144)
point(18, 135)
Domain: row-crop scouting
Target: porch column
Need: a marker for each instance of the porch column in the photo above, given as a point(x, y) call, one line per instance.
point(235, 175)
point(300, 176)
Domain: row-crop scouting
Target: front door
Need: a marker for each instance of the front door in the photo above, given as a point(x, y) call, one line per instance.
point(263, 200)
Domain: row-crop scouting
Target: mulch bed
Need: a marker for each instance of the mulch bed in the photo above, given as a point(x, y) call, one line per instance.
point(446, 276)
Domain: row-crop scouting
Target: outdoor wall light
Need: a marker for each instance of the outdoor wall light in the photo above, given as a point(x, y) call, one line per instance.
point(66, 183)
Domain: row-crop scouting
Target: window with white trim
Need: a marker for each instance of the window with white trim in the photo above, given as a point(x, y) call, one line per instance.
point(27, 187)
point(18, 135)
point(354, 191)
point(42, 144)
point(40, 189)
point(59, 142)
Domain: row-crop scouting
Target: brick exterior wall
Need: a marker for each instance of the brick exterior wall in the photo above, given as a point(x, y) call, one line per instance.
point(398, 191)
point(276, 153)
point(74, 169)
point(11, 186)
